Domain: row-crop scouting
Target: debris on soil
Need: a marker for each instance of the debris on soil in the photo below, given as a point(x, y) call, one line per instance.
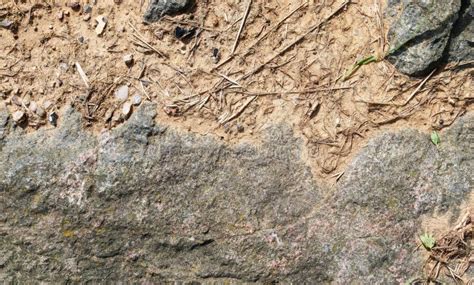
point(451, 255)
point(159, 8)
point(286, 67)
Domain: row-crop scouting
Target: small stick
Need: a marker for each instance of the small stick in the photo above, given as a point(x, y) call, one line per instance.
point(293, 92)
point(144, 91)
point(140, 38)
point(82, 74)
point(338, 175)
point(242, 24)
point(229, 79)
point(418, 88)
point(236, 114)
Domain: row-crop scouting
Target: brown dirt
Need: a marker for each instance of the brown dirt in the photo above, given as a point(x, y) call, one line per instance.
point(37, 64)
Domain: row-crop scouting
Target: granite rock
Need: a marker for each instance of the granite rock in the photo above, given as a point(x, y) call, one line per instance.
point(425, 34)
point(146, 203)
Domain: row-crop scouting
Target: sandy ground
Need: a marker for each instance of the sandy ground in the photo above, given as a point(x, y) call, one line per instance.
point(289, 65)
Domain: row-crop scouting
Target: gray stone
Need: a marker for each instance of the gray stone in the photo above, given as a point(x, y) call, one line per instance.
point(386, 189)
point(145, 203)
point(462, 38)
point(420, 36)
point(159, 8)
point(3, 121)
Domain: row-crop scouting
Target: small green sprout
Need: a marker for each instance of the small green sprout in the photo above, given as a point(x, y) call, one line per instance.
point(428, 241)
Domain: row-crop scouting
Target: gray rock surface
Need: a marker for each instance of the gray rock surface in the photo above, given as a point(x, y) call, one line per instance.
point(147, 203)
point(462, 36)
point(426, 33)
point(3, 122)
point(159, 8)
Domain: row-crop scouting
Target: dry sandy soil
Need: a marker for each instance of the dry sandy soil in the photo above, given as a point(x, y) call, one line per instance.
point(290, 65)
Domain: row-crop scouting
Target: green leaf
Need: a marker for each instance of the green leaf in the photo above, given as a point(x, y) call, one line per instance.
point(435, 138)
point(428, 241)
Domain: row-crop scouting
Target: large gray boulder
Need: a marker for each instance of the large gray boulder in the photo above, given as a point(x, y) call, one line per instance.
point(146, 203)
point(426, 33)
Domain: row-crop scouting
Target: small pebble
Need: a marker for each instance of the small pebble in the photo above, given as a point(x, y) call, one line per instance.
point(451, 101)
point(33, 107)
point(53, 119)
point(63, 66)
point(159, 34)
point(137, 100)
point(128, 59)
point(87, 9)
point(16, 100)
point(126, 109)
point(27, 100)
point(60, 15)
point(216, 56)
point(40, 112)
point(101, 23)
point(122, 93)
point(18, 116)
point(5, 23)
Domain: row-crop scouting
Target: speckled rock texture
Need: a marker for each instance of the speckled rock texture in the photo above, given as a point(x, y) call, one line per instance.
point(159, 8)
point(427, 33)
point(146, 203)
point(462, 37)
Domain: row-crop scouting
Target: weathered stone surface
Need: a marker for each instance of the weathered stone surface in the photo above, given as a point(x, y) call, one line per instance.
point(397, 178)
point(3, 121)
point(159, 8)
point(420, 36)
point(146, 203)
point(462, 36)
